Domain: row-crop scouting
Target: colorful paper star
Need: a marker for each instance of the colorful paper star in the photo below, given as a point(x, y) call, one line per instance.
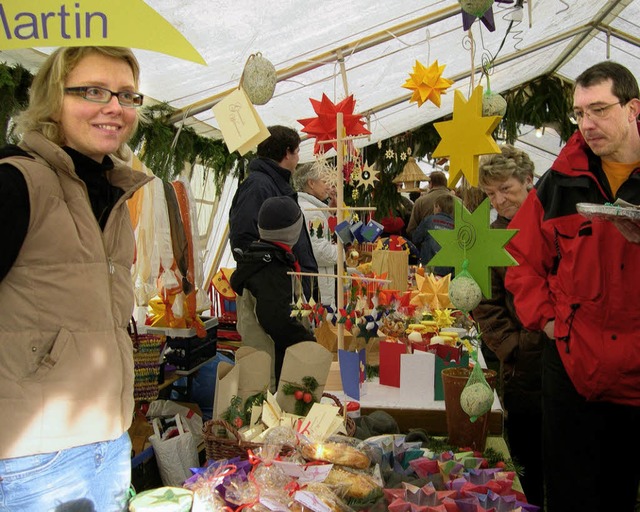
point(466, 136)
point(473, 239)
point(432, 292)
point(427, 83)
point(324, 128)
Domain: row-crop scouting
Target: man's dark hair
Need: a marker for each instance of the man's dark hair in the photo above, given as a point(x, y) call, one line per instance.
point(624, 84)
point(281, 140)
point(438, 179)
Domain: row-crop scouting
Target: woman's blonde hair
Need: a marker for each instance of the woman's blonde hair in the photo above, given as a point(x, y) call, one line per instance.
point(47, 90)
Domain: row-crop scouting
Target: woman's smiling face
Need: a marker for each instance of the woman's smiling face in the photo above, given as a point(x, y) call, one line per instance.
point(98, 129)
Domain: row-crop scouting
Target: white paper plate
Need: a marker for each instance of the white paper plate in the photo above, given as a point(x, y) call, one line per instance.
point(608, 212)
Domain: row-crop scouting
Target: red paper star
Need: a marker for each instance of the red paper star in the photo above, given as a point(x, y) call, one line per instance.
point(324, 128)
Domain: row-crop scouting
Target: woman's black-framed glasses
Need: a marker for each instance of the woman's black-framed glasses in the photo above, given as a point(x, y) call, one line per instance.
point(101, 95)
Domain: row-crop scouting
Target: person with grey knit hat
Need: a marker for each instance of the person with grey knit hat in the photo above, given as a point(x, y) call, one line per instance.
point(267, 290)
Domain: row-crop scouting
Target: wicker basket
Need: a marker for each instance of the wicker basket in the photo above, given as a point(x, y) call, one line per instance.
point(349, 424)
point(218, 447)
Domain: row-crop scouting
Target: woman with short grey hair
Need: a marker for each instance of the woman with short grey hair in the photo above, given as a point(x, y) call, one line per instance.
point(313, 192)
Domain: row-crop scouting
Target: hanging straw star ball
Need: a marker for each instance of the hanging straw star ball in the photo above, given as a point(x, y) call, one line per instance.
point(464, 292)
point(259, 79)
point(493, 104)
point(476, 7)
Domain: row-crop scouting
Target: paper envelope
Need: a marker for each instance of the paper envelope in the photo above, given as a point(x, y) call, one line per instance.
point(303, 359)
point(239, 122)
point(227, 379)
point(255, 371)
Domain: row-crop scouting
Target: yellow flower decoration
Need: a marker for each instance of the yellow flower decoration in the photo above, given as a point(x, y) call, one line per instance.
point(443, 317)
point(389, 153)
point(427, 83)
point(465, 137)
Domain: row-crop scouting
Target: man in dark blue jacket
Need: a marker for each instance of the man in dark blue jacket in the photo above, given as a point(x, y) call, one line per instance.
point(269, 176)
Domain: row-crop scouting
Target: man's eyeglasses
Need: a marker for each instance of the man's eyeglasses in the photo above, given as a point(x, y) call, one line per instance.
point(101, 95)
point(597, 112)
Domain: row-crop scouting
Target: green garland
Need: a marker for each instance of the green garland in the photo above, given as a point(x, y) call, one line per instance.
point(547, 100)
point(166, 149)
point(14, 90)
point(493, 457)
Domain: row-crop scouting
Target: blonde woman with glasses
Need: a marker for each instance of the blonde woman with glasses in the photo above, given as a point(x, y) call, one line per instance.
point(66, 371)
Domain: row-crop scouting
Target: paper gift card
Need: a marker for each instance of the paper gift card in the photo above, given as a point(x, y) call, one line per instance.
point(416, 378)
point(239, 122)
point(356, 229)
point(343, 230)
point(390, 353)
point(227, 379)
point(371, 231)
point(304, 359)
point(352, 366)
point(255, 371)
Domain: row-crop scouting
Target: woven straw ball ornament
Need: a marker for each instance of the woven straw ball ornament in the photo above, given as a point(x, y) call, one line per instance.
point(464, 293)
point(476, 7)
point(493, 105)
point(259, 79)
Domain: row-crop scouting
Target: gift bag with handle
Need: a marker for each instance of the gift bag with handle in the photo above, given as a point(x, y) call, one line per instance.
point(176, 452)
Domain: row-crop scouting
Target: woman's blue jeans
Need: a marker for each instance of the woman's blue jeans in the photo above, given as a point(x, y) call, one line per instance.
point(89, 478)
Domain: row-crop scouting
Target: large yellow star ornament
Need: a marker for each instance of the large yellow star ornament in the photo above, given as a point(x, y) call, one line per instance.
point(432, 292)
point(466, 136)
point(427, 83)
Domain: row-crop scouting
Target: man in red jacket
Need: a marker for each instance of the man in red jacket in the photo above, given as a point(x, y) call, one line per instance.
point(578, 280)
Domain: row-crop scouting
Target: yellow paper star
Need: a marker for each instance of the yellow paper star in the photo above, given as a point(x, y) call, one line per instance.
point(443, 317)
point(427, 83)
point(466, 136)
point(432, 292)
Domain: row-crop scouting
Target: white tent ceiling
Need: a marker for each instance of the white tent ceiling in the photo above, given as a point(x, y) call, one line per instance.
point(378, 44)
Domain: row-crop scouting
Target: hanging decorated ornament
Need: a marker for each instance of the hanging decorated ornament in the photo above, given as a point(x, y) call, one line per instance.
point(366, 178)
point(427, 83)
point(324, 128)
point(476, 399)
point(482, 9)
point(466, 137)
point(464, 292)
point(493, 104)
point(475, 7)
point(473, 240)
point(259, 79)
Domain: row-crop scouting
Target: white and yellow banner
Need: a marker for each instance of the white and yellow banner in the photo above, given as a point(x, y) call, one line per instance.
point(130, 23)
